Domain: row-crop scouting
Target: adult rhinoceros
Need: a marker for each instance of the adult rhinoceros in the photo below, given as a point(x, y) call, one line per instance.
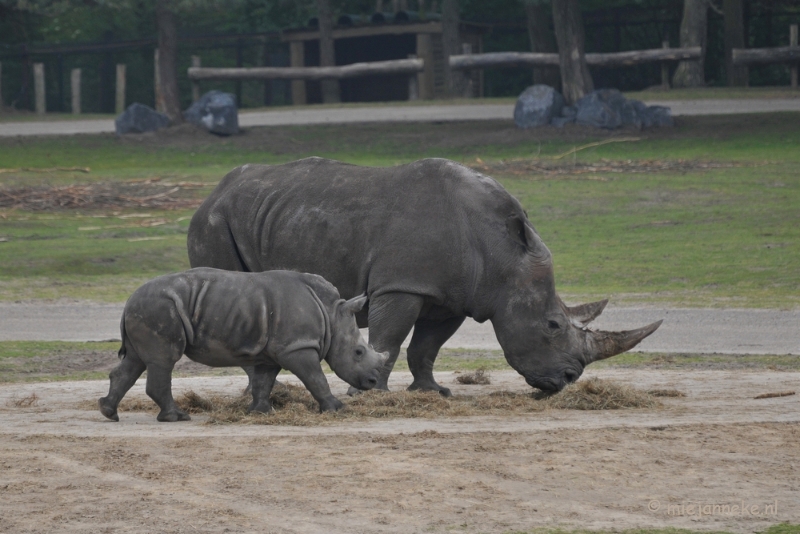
point(431, 243)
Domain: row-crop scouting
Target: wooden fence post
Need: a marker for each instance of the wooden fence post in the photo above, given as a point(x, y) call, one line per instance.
point(425, 78)
point(297, 59)
point(413, 85)
point(75, 88)
point(196, 84)
point(793, 42)
point(38, 87)
point(664, 68)
point(466, 49)
point(121, 81)
point(157, 83)
point(1, 87)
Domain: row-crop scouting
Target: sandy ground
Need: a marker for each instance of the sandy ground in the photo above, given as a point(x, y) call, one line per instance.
point(68, 470)
point(287, 117)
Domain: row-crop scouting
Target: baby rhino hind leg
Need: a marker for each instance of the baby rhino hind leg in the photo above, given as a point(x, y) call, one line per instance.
point(159, 388)
point(123, 377)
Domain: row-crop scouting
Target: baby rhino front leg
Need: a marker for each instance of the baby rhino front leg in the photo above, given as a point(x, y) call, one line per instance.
point(305, 365)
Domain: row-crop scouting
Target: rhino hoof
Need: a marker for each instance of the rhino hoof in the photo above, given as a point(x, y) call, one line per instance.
point(172, 417)
point(333, 405)
point(430, 386)
point(261, 408)
point(107, 410)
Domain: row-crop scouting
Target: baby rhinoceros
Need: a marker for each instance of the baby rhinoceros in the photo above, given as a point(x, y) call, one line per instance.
point(272, 320)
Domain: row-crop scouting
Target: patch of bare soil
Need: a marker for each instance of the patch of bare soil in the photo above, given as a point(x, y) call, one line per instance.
point(77, 362)
point(152, 193)
point(548, 168)
point(683, 465)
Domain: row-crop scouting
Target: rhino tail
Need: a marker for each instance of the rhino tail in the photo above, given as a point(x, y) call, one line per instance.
point(122, 350)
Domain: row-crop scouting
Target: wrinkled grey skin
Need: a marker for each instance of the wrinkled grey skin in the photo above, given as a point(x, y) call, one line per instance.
point(431, 243)
point(270, 321)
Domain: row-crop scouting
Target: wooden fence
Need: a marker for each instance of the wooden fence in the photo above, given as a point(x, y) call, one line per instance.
point(767, 56)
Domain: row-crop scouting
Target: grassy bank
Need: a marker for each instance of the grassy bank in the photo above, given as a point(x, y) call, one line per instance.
point(703, 214)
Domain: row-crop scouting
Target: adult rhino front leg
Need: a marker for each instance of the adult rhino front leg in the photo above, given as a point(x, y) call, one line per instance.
point(428, 338)
point(391, 318)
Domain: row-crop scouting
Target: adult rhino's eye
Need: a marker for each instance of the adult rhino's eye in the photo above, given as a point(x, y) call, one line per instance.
point(359, 352)
point(553, 325)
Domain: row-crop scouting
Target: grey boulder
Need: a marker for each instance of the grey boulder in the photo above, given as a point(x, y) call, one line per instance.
point(537, 105)
point(608, 108)
point(216, 112)
point(139, 118)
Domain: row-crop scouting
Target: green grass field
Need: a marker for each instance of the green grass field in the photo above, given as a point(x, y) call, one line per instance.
point(719, 227)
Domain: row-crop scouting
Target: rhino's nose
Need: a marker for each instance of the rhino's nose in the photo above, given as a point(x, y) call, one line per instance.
point(570, 376)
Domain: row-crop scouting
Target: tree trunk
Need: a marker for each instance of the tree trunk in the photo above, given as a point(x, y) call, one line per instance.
point(542, 40)
point(331, 90)
point(451, 45)
point(576, 81)
point(169, 101)
point(693, 33)
point(733, 11)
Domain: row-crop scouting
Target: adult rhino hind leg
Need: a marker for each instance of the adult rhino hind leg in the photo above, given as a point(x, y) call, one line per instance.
point(428, 338)
point(159, 388)
point(391, 318)
point(122, 378)
point(262, 381)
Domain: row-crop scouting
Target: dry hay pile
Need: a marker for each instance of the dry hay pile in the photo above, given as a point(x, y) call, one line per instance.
point(479, 377)
point(559, 168)
point(294, 406)
point(131, 194)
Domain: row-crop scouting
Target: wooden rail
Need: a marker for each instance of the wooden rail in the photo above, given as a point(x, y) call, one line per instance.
point(766, 56)
point(354, 70)
point(612, 59)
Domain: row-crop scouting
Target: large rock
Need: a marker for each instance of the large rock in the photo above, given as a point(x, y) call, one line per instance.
point(537, 105)
point(216, 112)
point(139, 118)
point(607, 108)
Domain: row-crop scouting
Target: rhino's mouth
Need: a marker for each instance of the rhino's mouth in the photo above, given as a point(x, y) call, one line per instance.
point(548, 385)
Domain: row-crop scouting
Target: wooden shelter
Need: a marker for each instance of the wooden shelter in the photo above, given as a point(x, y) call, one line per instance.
point(379, 42)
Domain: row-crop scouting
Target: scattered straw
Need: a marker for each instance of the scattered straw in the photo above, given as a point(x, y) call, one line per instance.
point(597, 394)
point(774, 395)
point(25, 402)
point(294, 406)
point(479, 377)
point(666, 393)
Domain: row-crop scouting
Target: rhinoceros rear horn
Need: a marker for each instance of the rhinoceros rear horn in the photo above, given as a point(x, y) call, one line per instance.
point(586, 313)
point(608, 344)
point(355, 304)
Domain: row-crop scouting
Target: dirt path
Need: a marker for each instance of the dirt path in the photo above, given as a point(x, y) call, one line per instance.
point(293, 117)
point(684, 329)
point(67, 470)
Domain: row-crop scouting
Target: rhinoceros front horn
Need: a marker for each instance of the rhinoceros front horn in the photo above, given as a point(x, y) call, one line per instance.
point(586, 313)
point(608, 344)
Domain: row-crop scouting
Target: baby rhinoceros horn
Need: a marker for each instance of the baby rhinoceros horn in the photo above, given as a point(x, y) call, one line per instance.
point(607, 344)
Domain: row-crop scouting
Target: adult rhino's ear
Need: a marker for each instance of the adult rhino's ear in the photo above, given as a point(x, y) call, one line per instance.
point(355, 304)
point(520, 231)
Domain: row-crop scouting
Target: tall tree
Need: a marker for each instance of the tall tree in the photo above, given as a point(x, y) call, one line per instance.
point(331, 90)
point(451, 44)
point(694, 27)
point(542, 40)
point(576, 80)
point(168, 97)
point(733, 12)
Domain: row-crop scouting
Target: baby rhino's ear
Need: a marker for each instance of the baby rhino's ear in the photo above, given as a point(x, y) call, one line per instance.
point(355, 304)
